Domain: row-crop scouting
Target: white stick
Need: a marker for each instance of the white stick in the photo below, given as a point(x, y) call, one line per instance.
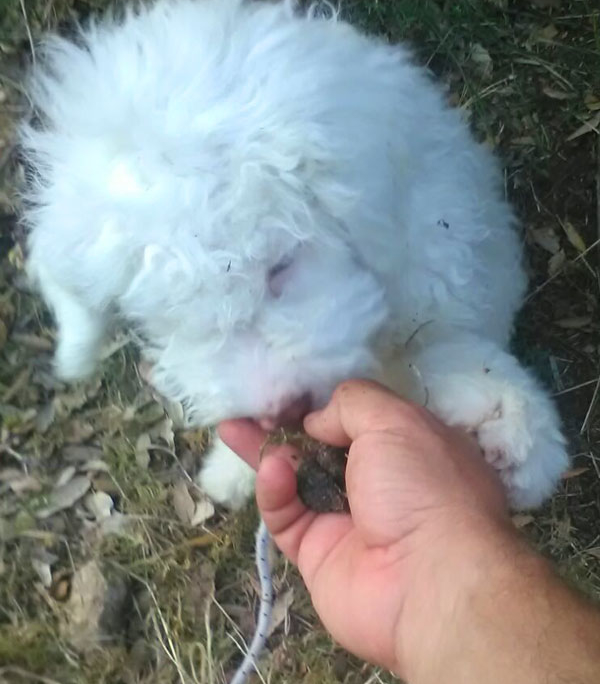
point(263, 565)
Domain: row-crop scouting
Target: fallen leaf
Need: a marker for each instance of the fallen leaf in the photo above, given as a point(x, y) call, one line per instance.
point(43, 571)
point(117, 523)
point(203, 511)
point(65, 496)
point(142, 455)
point(199, 591)
point(573, 236)
point(94, 612)
point(65, 476)
point(44, 418)
point(281, 610)
point(99, 504)
point(10, 474)
point(546, 33)
point(34, 342)
point(556, 262)
point(575, 472)
point(96, 465)
point(574, 322)
point(481, 58)
point(105, 483)
point(26, 483)
point(546, 238)
point(592, 102)
point(60, 589)
point(589, 126)
point(79, 430)
point(182, 502)
point(564, 527)
point(79, 453)
point(164, 430)
point(175, 412)
point(556, 94)
point(522, 520)
point(196, 440)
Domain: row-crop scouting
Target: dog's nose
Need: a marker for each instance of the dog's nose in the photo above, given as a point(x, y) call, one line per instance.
point(290, 415)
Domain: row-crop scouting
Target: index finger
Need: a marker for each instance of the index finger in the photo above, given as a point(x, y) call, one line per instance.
point(360, 406)
point(248, 441)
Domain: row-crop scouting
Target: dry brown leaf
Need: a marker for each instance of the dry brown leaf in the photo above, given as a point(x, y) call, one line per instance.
point(592, 102)
point(3, 334)
point(546, 238)
point(574, 237)
point(556, 262)
point(65, 476)
point(43, 571)
point(96, 465)
point(10, 474)
point(546, 33)
point(79, 430)
point(78, 453)
point(34, 342)
point(564, 527)
point(117, 524)
point(481, 58)
point(587, 127)
point(556, 94)
point(574, 322)
point(196, 440)
point(163, 430)
point(182, 502)
point(203, 511)
point(142, 455)
point(93, 612)
point(26, 483)
point(65, 496)
point(575, 472)
point(522, 520)
point(44, 418)
point(281, 610)
point(99, 504)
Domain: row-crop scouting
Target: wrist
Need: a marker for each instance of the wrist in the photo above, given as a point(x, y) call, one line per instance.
point(459, 588)
point(492, 610)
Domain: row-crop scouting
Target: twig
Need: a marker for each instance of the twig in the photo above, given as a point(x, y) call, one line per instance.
point(567, 390)
point(553, 277)
point(598, 187)
point(591, 407)
point(19, 672)
point(28, 29)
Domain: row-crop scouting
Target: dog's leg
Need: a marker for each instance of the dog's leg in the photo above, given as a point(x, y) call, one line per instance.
point(81, 332)
point(225, 477)
point(471, 382)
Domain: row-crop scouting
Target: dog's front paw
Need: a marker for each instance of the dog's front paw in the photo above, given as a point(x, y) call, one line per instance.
point(225, 478)
point(522, 440)
point(517, 428)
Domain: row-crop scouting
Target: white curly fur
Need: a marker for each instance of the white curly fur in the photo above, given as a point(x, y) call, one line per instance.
point(277, 203)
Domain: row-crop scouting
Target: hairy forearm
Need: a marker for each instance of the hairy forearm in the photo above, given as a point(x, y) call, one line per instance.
point(505, 616)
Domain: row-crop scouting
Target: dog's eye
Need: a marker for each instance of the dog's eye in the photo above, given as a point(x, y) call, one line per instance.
point(277, 276)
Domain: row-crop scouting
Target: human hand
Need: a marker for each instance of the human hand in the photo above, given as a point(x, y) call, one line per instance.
point(424, 507)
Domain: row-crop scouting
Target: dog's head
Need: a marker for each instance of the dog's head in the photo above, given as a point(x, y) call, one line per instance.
point(205, 184)
point(267, 333)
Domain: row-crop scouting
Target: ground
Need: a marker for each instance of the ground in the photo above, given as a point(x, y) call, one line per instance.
point(112, 566)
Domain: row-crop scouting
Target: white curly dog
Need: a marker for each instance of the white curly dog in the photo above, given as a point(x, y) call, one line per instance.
point(278, 203)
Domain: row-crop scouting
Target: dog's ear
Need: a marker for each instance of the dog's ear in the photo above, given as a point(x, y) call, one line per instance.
point(279, 274)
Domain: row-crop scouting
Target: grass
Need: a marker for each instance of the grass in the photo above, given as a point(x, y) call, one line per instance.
point(526, 74)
